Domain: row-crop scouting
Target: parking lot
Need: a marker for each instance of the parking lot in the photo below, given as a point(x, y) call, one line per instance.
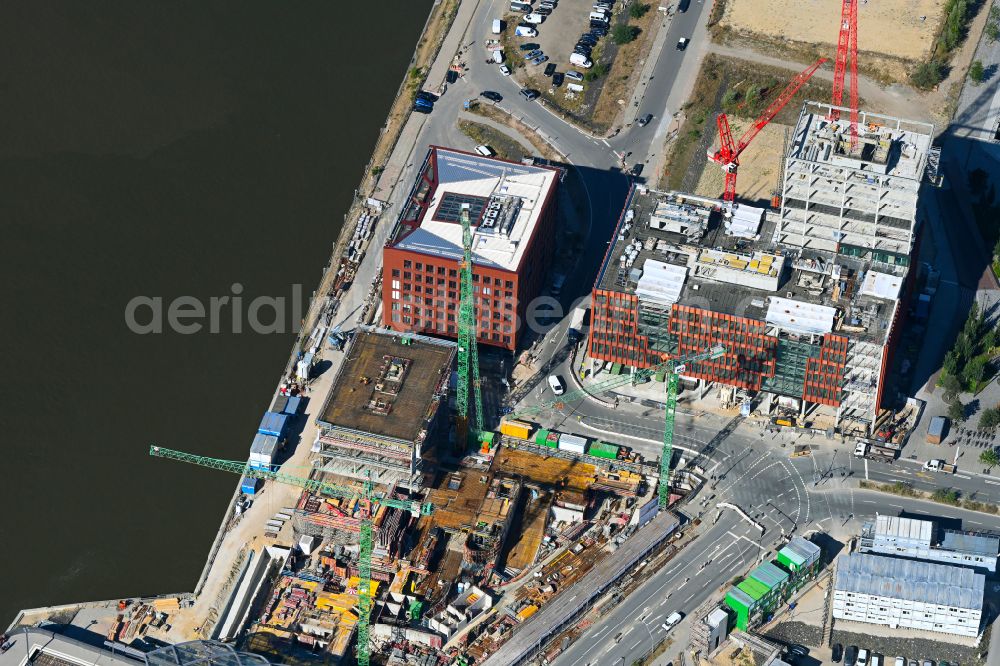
point(557, 36)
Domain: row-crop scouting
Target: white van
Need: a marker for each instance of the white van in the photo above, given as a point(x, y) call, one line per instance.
point(580, 60)
point(497, 26)
point(556, 384)
point(598, 16)
point(533, 18)
point(574, 87)
point(672, 621)
point(484, 150)
point(498, 56)
point(525, 31)
point(862, 658)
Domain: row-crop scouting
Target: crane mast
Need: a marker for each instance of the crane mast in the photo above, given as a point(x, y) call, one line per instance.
point(468, 350)
point(367, 498)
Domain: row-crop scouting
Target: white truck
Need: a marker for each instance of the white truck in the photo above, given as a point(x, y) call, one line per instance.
point(497, 26)
point(938, 465)
point(580, 60)
point(875, 452)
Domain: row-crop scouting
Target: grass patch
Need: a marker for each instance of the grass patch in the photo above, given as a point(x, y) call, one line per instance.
point(538, 143)
point(941, 496)
point(737, 87)
point(504, 146)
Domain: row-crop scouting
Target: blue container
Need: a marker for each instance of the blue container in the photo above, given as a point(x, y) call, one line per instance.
point(250, 485)
point(293, 406)
point(273, 424)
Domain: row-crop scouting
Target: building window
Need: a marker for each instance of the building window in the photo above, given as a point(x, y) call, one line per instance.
point(440, 270)
point(407, 263)
point(429, 268)
point(452, 272)
point(395, 317)
point(395, 295)
point(395, 272)
point(506, 339)
point(486, 291)
point(407, 275)
point(509, 284)
point(419, 266)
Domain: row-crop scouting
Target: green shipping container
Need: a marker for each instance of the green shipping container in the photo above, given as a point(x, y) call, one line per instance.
point(742, 604)
point(603, 450)
point(756, 590)
point(541, 436)
point(552, 441)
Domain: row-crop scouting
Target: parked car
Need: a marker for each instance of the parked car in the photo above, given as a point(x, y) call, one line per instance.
point(505, 70)
point(485, 151)
point(533, 18)
point(532, 54)
point(422, 109)
point(645, 120)
point(491, 95)
point(798, 650)
point(530, 46)
point(876, 659)
point(682, 43)
point(587, 39)
point(543, 11)
point(550, 69)
point(530, 94)
point(556, 384)
point(862, 659)
point(900, 661)
point(850, 655)
point(683, 5)
point(837, 653)
point(547, 4)
point(583, 50)
point(636, 169)
point(913, 662)
point(598, 31)
point(420, 101)
point(525, 31)
point(599, 24)
point(574, 76)
point(539, 60)
point(557, 79)
point(424, 95)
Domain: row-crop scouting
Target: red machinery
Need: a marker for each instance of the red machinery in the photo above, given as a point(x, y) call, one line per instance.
point(847, 49)
point(728, 155)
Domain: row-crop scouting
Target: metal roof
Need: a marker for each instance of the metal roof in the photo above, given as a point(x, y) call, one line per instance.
point(968, 542)
point(203, 653)
point(923, 582)
point(769, 575)
point(741, 597)
point(755, 589)
point(905, 528)
point(801, 551)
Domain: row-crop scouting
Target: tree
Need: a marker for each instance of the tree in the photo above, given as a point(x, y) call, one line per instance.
point(623, 34)
point(977, 72)
point(990, 418)
point(975, 370)
point(992, 31)
point(927, 75)
point(956, 411)
point(952, 366)
point(638, 9)
point(952, 386)
point(990, 458)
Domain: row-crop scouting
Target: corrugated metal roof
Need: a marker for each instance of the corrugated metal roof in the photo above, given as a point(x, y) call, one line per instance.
point(740, 597)
point(924, 582)
point(965, 542)
point(801, 551)
point(769, 575)
point(905, 528)
point(755, 589)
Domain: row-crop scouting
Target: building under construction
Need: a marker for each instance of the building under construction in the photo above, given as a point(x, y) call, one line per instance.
point(387, 406)
point(808, 302)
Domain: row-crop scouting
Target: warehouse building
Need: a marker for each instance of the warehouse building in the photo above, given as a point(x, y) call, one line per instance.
point(807, 317)
point(903, 593)
point(513, 218)
point(387, 403)
point(922, 540)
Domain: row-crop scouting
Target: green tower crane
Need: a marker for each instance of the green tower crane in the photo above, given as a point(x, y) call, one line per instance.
point(368, 498)
point(468, 350)
point(675, 367)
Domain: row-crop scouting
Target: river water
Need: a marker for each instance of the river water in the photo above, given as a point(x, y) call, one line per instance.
point(160, 149)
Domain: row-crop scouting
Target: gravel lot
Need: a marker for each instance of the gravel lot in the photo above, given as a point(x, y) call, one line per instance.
point(911, 648)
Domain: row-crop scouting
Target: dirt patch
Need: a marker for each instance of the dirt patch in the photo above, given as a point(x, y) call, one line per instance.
point(760, 165)
point(504, 146)
point(537, 142)
point(818, 22)
point(742, 89)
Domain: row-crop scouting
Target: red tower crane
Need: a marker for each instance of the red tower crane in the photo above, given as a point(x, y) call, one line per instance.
point(847, 50)
point(728, 155)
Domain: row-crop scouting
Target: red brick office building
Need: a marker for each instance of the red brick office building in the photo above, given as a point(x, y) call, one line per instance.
point(513, 218)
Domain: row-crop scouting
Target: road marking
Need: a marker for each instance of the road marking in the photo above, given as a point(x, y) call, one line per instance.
point(992, 483)
point(637, 645)
point(690, 598)
point(601, 631)
point(976, 522)
point(682, 585)
point(962, 476)
point(897, 506)
point(605, 142)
